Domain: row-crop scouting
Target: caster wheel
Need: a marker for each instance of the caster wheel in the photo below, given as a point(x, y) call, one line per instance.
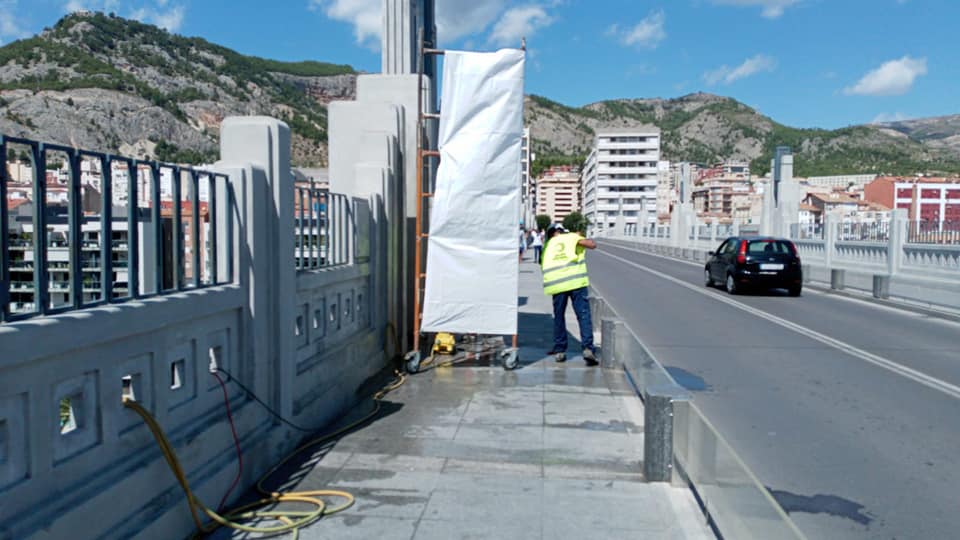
point(412, 362)
point(511, 359)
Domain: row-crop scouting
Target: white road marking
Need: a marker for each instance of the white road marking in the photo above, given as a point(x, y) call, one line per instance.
point(903, 311)
point(904, 371)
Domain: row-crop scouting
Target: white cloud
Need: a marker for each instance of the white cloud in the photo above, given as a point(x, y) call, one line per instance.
point(461, 18)
point(364, 15)
point(770, 9)
point(648, 33)
point(884, 118)
point(455, 18)
point(91, 5)
point(517, 23)
point(10, 26)
point(753, 65)
point(158, 13)
point(892, 78)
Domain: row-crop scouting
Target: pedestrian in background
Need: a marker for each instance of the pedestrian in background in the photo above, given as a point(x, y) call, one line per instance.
point(565, 278)
point(537, 244)
point(523, 244)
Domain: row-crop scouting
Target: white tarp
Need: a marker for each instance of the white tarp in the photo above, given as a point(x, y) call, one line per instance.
point(472, 270)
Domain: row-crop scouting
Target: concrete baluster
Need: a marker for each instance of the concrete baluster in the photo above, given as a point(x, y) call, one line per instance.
point(896, 241)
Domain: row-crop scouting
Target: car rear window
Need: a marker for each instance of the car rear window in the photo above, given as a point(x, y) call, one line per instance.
point(756, 247)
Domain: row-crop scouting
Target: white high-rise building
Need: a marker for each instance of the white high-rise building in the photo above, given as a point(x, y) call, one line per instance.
point(528, 190)
point(620, 175)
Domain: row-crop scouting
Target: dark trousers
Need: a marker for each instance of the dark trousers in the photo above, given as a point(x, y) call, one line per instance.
point(581, 306)
point(537, 253)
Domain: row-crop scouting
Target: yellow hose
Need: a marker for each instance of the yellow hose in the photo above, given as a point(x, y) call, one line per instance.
point(291, 520)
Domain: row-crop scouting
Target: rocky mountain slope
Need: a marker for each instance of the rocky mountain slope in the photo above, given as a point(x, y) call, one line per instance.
point(106, 83)
point(937, 132)
point(707, 128)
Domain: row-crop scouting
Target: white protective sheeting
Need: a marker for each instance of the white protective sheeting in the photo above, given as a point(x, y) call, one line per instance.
point(472, 270)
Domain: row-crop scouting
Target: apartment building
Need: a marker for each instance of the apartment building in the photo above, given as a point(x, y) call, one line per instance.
point(723, 190)
point(558, 192)
point(620, 175)
point(928, 200)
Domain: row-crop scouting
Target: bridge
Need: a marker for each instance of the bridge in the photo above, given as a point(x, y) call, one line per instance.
point(839, 404)
point(183, 341)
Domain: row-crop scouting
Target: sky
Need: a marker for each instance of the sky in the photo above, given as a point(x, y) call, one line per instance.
point(805, 63)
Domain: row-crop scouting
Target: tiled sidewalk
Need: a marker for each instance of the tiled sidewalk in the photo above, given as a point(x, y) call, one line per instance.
point(548, 451)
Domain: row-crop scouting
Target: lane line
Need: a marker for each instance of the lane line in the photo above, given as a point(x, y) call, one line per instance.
point(822, 290)
point(889, 365)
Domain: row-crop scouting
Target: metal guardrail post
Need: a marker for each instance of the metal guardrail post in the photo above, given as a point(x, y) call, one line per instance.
point(658, 431)
point(881, 286)
point(836, 278)
point(607, 343)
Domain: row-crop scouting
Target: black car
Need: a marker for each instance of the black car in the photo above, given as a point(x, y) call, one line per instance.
point(755, 262)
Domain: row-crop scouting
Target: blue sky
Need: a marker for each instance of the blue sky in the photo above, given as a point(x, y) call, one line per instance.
point(806, 63)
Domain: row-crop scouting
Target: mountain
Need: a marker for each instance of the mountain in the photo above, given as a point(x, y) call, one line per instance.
point(106, 83)
point(937, 132)
point(707, 128)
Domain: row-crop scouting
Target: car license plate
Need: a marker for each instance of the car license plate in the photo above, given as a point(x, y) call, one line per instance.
point(768, 266)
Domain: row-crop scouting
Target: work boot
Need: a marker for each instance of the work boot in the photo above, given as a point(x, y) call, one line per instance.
point(589, 357)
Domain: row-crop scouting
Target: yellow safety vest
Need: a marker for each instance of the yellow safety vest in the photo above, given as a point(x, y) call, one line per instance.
point(564, 264)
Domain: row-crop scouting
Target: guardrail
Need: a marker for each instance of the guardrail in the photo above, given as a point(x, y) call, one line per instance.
point(173, 218)
point(681, 445)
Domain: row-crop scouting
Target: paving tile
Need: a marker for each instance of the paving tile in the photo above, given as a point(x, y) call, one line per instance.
point(527, 529)
point(473, 508)
point(360, 527)
point(494, 468)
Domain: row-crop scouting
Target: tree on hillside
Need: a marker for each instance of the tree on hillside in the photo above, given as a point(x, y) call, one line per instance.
point(543, 221)
point(575, 222)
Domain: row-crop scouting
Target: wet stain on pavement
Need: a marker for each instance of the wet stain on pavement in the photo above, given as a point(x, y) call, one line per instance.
point(684, 378)
point(822, 504)
point(616, 426)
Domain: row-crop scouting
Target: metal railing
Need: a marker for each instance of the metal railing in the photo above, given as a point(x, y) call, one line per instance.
point(155, 261)
point(324, 227)
point(873, 231)
point(933, 232)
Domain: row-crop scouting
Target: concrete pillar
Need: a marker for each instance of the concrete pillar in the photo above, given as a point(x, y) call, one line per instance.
point(608, 342)
point(736, 227)
point(713, 232)
point(896, 241)
point(255, 153)
point(829, 238)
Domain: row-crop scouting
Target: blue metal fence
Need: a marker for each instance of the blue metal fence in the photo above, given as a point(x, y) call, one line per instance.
point(152, 254)
point(325, 228)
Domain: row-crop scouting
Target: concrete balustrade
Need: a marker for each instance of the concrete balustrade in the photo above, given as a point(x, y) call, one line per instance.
point(302, 341)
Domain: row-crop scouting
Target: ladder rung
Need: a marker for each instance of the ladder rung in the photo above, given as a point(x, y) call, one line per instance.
point(430, 153)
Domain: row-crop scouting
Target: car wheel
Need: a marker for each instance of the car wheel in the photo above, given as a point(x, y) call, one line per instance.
point(731, 284)
point(795, 291)
point(707, 280)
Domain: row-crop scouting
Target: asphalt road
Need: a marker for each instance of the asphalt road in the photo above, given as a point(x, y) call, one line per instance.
point(847, 411)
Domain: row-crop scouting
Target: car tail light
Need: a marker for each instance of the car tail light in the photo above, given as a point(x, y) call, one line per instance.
point(742, 254)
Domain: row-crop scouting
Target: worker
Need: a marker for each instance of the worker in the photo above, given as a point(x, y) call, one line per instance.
point(565, 278)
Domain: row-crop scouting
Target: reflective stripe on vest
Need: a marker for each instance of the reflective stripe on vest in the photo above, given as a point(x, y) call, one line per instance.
point(564, 266)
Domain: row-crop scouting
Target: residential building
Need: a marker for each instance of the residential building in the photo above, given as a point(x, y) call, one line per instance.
point(835, 202)
point(558, 192)
point(724, 191)
point(621, 175)
point(842, 181)
point(929, 200)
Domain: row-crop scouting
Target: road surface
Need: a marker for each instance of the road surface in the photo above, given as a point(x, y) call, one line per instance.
point(848, 411)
